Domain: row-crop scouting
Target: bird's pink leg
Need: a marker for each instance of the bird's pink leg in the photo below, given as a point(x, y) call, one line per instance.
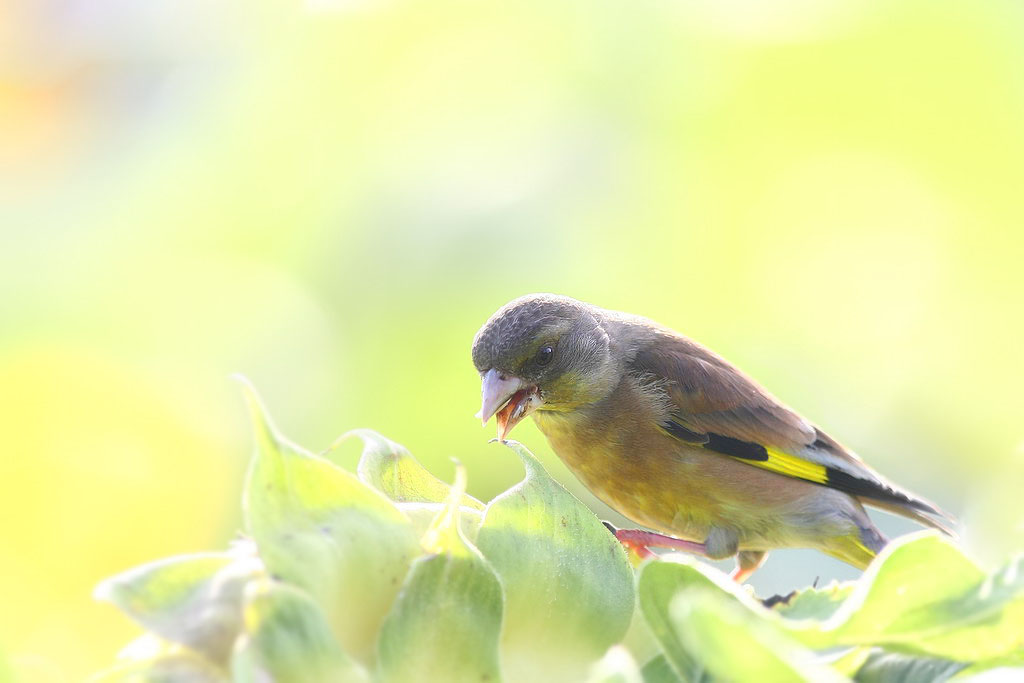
point(641, 542)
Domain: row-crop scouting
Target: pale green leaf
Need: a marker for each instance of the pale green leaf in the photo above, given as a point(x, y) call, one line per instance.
point(171, 666)
point(287, 638)
point(617, 666)
point(422, 516)
point(568, 585)
point(658, 582)
point(923, 595)
point(815, 603)
point(149, 645)
point(195, 600)
point(446, 622)
point(848, 662)
point(390, 468)
point(444, 535)
point(321, 529)
point(736, 644)
point(905, 589)
point(1010, 664)
point(984, 622)
point(1001, 674)
point(658, 670)
point(639, 640)
point(889, 667)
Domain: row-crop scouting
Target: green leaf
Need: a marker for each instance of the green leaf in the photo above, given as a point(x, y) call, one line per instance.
point(922, 595)
point(446, 622)
point(658, 582)
point(984, 622)
point(194, 600)
point(568, 586)
point(658, 670)
point(287, 638)
point(815, 603)
point(994, 675)
point(903, 592)
point(390, 468)
point(321, 529)
point(736, 644)
point(617, 666)
point(1008, 667)
point(639, 640)
point(422, 515)
point(886, 667)
point(171, 666)
point(847, 662)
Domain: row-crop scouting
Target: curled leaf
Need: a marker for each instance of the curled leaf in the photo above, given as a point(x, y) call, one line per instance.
point(176, 665)
point(194, 600)
point(444, 534)
point(734, 643)
point(814, 603)
point(885, 667)
point(617, 666)
point(659, 582)
point(569, 590)
point(422, 516)
point(658, 670)
point(390, 468)
point(319, 528)
point(923, 595)
point(447, 619)
point(287, 638)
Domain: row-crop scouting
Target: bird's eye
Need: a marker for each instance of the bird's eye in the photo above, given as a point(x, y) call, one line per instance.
point(544, 355)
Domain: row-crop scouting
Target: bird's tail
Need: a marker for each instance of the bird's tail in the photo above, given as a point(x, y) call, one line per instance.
point(861, 546)
point(923, 513)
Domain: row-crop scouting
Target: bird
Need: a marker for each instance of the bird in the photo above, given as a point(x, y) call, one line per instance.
point(678, 440)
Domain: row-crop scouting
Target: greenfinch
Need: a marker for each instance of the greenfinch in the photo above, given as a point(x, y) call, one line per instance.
point(677, 439)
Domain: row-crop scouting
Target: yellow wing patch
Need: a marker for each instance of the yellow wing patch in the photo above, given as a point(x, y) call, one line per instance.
point(791, 466)
point(754, 454)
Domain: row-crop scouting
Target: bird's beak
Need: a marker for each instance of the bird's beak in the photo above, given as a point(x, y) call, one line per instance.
point(509, 397)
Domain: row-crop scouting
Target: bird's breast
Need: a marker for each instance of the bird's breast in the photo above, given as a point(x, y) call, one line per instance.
point(632, 466)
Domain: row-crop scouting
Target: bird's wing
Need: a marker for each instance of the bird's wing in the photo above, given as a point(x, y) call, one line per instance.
point(718, 407)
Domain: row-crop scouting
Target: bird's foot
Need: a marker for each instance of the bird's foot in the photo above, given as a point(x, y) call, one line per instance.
point(741, 574)
point(747, 562)
point(641, 551)
point(641, 542)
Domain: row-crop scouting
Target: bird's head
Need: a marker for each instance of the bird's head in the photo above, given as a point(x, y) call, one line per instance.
point(541, 352)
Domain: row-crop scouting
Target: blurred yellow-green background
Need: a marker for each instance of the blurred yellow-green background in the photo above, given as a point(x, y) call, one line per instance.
point(331, 197)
